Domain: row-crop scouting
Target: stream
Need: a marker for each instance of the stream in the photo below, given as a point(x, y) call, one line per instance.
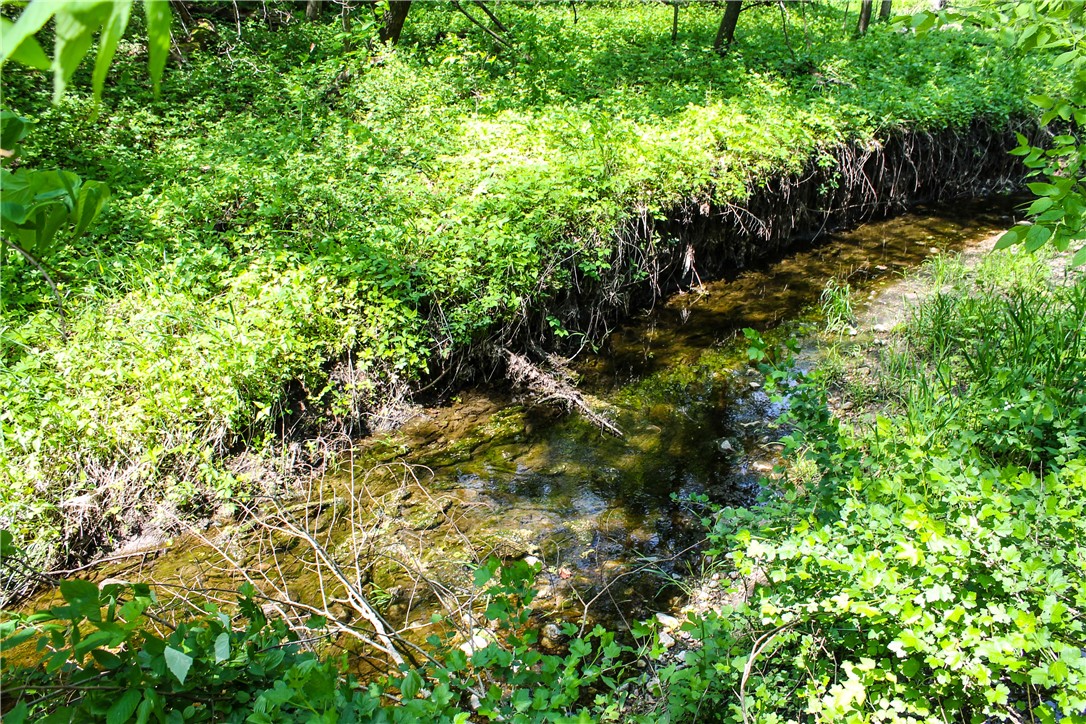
point(412, 513)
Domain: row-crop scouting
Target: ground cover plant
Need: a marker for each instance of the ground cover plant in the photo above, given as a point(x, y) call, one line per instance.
point(926, 562)
point(305, 225)
point(923, 563)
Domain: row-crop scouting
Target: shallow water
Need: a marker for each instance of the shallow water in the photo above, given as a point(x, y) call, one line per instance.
point(609, 517)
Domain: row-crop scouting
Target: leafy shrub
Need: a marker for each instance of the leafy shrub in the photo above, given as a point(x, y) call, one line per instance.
point(935, 571)
point(103, 656)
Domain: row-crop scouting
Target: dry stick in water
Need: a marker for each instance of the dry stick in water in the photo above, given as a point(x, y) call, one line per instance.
point(552, 388)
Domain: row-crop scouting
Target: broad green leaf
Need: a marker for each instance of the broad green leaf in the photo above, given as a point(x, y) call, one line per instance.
point(1079, 258)
point(93, 196)
point(74, 29)
point(32, 19)
point(18, 714)
point(1011, 237)
point(1043, 189)
point(222, 647)
point(411, 684)
point(123, 709)
point(112, 31)
point(7, 544)
point(106, 659)
point(178, 663)
point(1036, 237)
point(158, 38)
point(17, 638)
point(28, 52)
point(1064, 58)
point(93, 641)
point(147, 706)
point(13, 128)
point(1040, 206)
point(79, 593)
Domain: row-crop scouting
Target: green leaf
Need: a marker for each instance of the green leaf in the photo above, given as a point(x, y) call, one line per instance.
point(106, 659)
point(484, 573)
point(1043, 189)
point(1079, 258)
point(28, 52)
point(1036, 237)
point(7, 541)
point(112, 31)
point(178, 663)
point(81, 594)
point(31, 20)
point(17, 638)
point(74, 28)
point(18, 714)
point(1012, 236)
point(1040, 206)
point(411, 685)
point(123, 709)
point(158, 38)
point(147, 706)
point(93, 196)
point(222, 647)
point(94, 640)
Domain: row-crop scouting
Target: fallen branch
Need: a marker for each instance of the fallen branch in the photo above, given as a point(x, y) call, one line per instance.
point(553, 388)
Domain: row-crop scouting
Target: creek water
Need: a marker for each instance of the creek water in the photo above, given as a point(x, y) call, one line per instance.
point(610, 518)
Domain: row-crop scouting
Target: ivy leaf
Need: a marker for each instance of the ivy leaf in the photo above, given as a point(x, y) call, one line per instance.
point(178, 663)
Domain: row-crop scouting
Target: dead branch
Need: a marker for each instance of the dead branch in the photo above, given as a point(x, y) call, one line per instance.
point(554, 388)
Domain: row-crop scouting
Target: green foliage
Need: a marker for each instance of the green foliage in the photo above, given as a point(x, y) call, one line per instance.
point(836, 303)
point(935, 570)
point(299, 232)
point(103, 656)
point(75, 22)
point(1056, 31)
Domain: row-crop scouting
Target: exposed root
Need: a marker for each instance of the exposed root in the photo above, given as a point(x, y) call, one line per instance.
point(554, 386)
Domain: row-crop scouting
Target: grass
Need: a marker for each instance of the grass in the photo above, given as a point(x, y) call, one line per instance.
point(301, 229)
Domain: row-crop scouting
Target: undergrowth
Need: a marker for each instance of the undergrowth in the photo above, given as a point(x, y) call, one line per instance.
point(302, 229)
point(928, 566)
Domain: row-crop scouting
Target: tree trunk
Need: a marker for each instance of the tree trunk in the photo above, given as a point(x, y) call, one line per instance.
point(675, 22)
point(313, 9)
point(393, 20)
point(865, 16)
point(884, 9)
point(726, 33)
